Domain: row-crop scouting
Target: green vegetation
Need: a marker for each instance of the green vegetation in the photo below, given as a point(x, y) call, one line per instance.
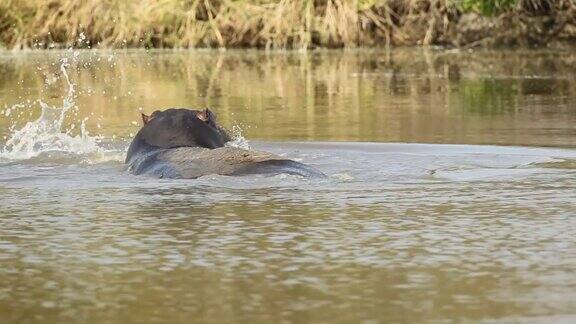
point(278, 24)
point(487, 7)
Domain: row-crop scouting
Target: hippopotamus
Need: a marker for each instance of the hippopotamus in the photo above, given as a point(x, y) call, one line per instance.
point(187, 143)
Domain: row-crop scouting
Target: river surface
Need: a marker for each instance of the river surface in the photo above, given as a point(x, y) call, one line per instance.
point(450, 194)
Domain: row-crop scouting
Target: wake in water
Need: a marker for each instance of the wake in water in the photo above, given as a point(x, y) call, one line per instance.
point(48, 132)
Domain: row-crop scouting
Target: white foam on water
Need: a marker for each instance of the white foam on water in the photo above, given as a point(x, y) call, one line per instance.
point(238, 139)
point(47, 133)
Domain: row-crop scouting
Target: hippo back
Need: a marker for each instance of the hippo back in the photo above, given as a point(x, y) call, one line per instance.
point(194, 162)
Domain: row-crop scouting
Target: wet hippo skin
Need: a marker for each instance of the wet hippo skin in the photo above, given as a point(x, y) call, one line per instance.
point(185, 143)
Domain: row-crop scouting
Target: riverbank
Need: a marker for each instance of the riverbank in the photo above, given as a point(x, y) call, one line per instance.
point(286, 24)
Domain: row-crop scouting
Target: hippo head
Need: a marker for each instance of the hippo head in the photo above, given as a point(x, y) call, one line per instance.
point(182, 127)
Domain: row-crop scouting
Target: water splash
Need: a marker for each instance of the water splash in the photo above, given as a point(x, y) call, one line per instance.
point(47, 133)
point(238, 139)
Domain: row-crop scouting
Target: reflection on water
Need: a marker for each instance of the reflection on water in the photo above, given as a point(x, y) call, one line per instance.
point(402, 96)
point(397, 233)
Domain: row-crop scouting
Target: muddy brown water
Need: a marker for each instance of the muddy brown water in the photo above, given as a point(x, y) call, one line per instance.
point(450, 197)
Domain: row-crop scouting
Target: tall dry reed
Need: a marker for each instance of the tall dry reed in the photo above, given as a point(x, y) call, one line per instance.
point(279, 24)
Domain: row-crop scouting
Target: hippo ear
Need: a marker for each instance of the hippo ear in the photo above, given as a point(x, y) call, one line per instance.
point(202, 115)
point(206, 115)
point(145, 119)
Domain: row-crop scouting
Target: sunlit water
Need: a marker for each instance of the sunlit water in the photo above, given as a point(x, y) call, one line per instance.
point(398, 232)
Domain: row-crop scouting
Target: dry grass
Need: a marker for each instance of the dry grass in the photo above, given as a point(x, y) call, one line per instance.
point(255, 23)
